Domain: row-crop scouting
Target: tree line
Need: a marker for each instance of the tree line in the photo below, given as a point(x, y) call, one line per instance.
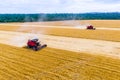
point(57, 17)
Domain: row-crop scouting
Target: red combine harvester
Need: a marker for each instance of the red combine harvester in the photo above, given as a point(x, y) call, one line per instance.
point(90, 27)
point(35, 45)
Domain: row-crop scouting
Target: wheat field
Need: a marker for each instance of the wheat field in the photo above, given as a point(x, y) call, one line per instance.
point(96, 23)
point(109, 35)
point(54, 64)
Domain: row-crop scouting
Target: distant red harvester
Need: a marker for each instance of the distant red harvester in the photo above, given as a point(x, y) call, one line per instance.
point(91, 27)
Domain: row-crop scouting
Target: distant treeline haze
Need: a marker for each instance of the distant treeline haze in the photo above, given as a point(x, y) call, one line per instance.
point(57, 17)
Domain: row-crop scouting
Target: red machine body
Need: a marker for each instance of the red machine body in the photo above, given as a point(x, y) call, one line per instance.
point(90, 27)
point(35, 45)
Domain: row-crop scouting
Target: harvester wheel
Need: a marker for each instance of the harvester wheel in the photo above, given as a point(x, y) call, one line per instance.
point(35, 48)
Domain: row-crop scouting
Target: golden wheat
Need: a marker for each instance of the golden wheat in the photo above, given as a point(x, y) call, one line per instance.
point(110, 35)
point(96, 23)
point(54, 64)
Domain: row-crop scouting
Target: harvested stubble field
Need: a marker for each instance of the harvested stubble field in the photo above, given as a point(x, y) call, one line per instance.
point(54, 64)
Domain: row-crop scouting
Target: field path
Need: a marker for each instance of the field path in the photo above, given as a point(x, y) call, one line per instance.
point(19, 39)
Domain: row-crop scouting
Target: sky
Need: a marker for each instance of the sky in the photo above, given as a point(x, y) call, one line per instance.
point(58, 6)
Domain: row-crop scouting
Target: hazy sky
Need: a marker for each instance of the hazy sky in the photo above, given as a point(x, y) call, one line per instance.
point(59, 6)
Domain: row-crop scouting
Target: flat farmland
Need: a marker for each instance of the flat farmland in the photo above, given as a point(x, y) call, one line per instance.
point(54, 64)
point(72, 53)
point(109, 35)
point(71, 23)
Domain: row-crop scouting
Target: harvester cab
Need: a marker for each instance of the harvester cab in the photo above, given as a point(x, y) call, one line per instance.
point(35, 44)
